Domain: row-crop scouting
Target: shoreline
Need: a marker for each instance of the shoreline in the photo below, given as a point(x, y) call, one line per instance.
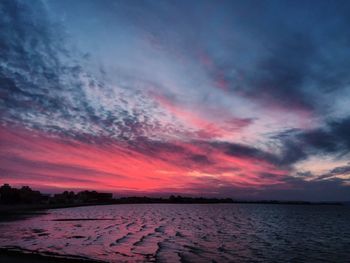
point(37, 209)
point(29, 208)
point(18, 255)
point(23, 211)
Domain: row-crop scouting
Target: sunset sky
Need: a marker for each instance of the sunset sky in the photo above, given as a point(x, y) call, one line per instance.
point(242, 99)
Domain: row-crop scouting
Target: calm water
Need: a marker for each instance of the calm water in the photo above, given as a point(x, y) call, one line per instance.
point(188, 233)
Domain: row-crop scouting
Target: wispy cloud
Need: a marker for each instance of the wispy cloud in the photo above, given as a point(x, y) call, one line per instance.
point(219, 98)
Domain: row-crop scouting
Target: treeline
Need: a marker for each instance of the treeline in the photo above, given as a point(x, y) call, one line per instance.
point(25, 195)
point(172, 200)
point(201, 200)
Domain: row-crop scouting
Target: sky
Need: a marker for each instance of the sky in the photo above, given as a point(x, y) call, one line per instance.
point(242, 99)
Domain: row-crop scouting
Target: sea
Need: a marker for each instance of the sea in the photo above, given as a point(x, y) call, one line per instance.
point(187, 233)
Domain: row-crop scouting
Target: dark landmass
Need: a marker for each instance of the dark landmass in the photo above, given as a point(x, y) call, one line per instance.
point(26, 202)
point(17, 255)
point(202, 200)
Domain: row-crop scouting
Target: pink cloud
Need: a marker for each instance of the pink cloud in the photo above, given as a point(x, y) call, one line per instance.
point(34, 158)
point(225, 126)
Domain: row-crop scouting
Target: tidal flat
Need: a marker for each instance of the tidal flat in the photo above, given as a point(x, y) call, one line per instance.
point(180, 233)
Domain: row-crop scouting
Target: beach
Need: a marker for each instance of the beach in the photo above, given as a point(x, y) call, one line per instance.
point(179, 233)
point(18, 256)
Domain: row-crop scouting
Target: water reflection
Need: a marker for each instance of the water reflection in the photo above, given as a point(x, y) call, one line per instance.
point(188, 233)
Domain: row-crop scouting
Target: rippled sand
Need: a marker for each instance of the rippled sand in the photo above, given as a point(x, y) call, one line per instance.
point(188, 233)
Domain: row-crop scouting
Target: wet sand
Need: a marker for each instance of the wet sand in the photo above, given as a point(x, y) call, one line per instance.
point(20, 212)
point(180, 233)
point(17, 256)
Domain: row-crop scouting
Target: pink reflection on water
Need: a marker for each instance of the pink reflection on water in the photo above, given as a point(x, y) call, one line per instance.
point(185, 233)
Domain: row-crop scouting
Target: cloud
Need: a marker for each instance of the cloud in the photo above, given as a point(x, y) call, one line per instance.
point(335, 172)
point(333, 138)
point(293, 189)
point(289, 154)
point(281, 77)
point(46, 87)
point(293, 65)
point(46, 167)
point(139, 100)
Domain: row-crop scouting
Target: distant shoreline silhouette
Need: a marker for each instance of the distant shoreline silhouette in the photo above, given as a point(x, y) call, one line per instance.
point(25, 196)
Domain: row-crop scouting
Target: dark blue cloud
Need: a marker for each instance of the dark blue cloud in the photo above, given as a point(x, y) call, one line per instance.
point(332, 138)
point(44, 85)
point(96, 77)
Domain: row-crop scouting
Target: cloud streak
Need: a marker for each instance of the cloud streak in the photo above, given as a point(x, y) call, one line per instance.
point(219, 99)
